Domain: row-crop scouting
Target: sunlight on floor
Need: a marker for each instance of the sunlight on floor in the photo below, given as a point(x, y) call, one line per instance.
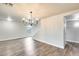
point(29, 46)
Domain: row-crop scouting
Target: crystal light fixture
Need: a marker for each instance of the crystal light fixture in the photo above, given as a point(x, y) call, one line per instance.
point(30, 19)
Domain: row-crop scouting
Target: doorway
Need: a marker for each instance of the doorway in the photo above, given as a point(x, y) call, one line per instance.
point(71, 33)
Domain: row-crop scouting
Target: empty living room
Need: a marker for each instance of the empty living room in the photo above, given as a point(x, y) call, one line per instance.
point(39, 29)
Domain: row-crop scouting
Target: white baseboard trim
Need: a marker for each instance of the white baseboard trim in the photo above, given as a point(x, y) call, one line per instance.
point(72, 41)
point(13, 38)
point(62, 47)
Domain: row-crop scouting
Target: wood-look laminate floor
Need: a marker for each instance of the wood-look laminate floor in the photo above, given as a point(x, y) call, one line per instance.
point(29, 47)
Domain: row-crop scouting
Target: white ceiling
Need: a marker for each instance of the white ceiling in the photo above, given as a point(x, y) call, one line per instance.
point(42, 10)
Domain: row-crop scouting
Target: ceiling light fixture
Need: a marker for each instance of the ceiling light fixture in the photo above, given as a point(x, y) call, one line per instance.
point(8, 4)
point(30, 19)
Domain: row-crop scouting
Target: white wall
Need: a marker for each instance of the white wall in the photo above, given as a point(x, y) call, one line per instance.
point(52, 30)
point(15, 29)
point(11, 30)
point(72, 32)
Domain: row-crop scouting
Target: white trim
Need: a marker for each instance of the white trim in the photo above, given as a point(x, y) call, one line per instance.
point(13, 38)
point(50, 43)
point(72, 41)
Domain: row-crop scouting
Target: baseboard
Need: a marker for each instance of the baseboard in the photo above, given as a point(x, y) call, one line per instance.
point(72, 41)
point(62, 47)
point(13, 38)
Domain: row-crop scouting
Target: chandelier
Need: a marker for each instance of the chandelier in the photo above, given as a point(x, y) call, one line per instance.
point(30, 20)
